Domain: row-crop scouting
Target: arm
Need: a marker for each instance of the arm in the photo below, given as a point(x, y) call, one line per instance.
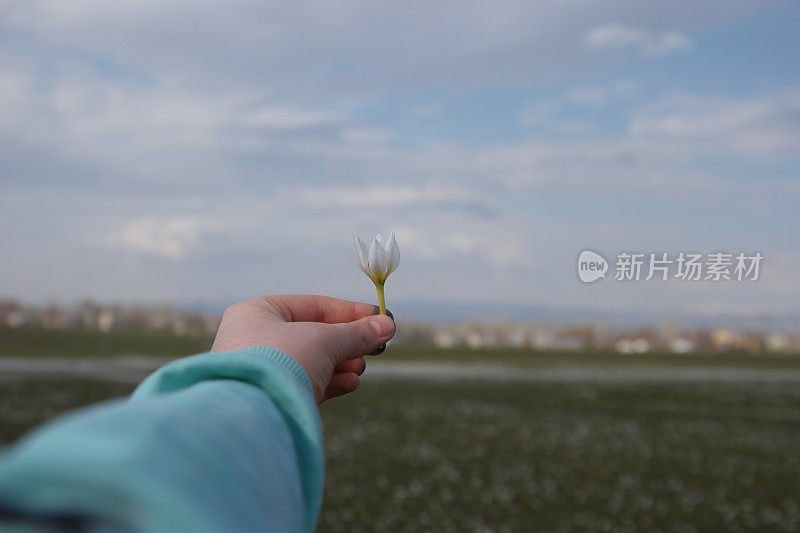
point(182, 454)
point(217, 442)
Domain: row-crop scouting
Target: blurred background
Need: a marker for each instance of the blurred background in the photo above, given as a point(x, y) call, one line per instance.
point(161, 160)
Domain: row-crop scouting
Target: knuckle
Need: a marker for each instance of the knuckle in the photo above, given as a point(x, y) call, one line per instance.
point(237, 309)
point(367, 334)
point(231, 311)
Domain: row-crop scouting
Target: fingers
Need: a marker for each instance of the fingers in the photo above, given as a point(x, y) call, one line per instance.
point(314, 308)
point(357, 365)
point(380, 349)
point(341, 384)
point(377, 310)
point(358, 338)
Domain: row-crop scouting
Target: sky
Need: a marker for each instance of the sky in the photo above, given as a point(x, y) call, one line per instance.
point(198, 151)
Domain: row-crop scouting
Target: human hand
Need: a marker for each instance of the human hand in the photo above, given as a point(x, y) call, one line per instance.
point(328, 337)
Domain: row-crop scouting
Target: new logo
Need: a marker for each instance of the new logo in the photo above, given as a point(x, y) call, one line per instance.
point(591, 266)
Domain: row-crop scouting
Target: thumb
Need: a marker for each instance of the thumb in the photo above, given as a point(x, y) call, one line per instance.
point(360, 337)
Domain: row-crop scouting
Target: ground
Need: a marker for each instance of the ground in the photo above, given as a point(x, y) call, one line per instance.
point(411, 455)
point(499, 440)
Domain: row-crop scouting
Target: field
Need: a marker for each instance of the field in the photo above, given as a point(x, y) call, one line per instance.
point(35, 342)
point(489, 456)
point(449, 454)
point(502, 457)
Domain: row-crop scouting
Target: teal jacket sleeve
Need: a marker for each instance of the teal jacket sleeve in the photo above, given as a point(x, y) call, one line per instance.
point(209, 443)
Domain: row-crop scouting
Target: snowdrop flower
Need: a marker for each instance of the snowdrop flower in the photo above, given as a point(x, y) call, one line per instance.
point(377, 261)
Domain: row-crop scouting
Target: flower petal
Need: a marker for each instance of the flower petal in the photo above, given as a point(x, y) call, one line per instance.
point(378, 260)
point(393, 253)
point(362, 253)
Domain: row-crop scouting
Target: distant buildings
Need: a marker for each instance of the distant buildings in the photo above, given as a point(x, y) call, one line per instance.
point(92, 316)
point(668, 337)
point(545, 336)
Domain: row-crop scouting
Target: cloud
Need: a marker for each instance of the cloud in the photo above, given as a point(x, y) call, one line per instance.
point(249, 141)
point(557, 114)
point(475, 243)
point(649, 43)
point(766, 125)
point(594, 95)
point(172, 238)
point(388, 195)
point(290, 118)
point(366, 136)
point(353, 48)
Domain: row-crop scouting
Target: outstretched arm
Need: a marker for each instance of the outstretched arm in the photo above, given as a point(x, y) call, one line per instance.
point(224, 441)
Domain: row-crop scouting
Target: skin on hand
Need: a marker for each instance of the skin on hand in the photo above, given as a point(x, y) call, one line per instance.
point(328, 337)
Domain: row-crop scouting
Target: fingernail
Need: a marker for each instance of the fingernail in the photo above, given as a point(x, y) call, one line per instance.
point(383, 325)
point(376, 311)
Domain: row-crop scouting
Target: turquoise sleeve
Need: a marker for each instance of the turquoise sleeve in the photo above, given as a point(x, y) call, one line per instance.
point(213, 442)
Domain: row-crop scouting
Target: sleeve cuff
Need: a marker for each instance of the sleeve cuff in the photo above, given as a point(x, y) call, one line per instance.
point(247, 364)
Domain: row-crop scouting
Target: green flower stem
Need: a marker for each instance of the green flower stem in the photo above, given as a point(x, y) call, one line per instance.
point(381, 299)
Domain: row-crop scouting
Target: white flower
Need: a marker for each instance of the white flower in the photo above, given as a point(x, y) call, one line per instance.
point(380, 259)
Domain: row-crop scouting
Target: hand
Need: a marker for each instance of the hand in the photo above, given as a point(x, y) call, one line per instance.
point(326, 336)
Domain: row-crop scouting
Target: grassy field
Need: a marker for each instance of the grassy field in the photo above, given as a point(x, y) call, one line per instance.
point(593, 359)
point(413, 456)
point(35, 342)
point(494, 456)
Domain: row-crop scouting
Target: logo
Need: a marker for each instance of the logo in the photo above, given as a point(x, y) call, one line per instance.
point(591, 266)
point(664, 266)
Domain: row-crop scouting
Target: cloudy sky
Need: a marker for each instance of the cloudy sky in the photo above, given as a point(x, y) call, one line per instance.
point(207, 151)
